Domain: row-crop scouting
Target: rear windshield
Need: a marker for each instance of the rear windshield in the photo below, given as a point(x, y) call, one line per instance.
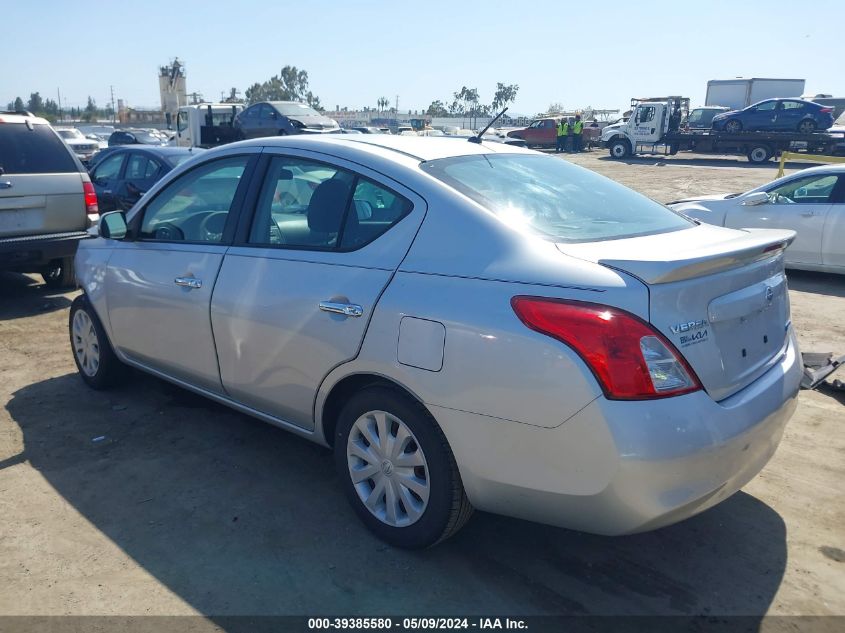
point(555, 198)
point(33, 151)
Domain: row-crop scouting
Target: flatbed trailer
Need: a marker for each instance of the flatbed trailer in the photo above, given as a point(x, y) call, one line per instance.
point(653, 129)
point(758, 147)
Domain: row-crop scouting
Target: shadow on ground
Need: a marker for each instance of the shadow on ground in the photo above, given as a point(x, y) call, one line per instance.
point(818, 283)
point(238, 517)
point(24, 295)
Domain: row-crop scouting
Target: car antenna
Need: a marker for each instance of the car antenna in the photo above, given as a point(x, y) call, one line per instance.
point(477, 137)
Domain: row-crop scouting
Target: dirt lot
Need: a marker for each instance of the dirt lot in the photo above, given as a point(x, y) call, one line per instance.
point(186, 507)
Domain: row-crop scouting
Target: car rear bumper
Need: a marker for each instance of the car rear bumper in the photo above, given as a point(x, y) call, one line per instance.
point(622, 467)
point(29, 252)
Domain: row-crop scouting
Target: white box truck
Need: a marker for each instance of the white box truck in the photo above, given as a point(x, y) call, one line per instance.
point(739, 93)
point(206, 124)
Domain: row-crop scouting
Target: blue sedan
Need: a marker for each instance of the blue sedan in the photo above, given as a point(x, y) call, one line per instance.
point(122, 174)
point(776, 115)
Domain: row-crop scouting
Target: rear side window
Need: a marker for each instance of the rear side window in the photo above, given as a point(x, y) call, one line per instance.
point(33, 151)
point(554, 198)
point(310, 205)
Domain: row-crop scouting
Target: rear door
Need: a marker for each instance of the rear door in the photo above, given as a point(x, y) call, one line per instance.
point(158, 285)
point(833, 239)
point(141, 172)
point(297, 290)
point(40, 182)
point(789, 115)
point(802, 205)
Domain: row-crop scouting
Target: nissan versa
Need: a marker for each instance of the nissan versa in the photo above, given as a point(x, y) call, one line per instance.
point(468, 325)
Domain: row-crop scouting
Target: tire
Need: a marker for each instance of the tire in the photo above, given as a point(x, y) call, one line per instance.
point(620, 149)
point(733, 126)
point(759, 154)
point(430, 510)
point(807, 126)
point(95, 359)
point(59, 273)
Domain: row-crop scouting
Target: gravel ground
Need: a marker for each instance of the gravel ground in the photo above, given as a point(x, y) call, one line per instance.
point(186, 507)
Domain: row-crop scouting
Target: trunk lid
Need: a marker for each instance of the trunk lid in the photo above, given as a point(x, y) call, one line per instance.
point(719, 295)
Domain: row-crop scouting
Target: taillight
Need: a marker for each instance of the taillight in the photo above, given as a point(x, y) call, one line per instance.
point(826, 110)
point(91, 207)
point(629, 358)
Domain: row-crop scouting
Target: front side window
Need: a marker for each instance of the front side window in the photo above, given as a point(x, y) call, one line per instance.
point(646, 114)
point(181, 121)
point(310, 205)
point(195, 206)
point(767, 106)
point(809, 190)
point(553, 198)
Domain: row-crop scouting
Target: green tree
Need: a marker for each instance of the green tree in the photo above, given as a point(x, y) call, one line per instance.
point(36, 103)
point(504, 95)
point(437, 109)
point(18, 104)
point(90, 112)
point(383, 102)
point(291, 84)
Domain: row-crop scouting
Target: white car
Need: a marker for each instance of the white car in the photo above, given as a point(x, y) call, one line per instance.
point(810, 202)
point(83, 147)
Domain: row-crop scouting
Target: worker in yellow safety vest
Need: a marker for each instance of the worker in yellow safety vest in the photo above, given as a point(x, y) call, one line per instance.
point(562, 133)
point(577, 129)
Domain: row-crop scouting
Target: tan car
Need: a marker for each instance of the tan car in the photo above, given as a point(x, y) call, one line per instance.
point(47, 201)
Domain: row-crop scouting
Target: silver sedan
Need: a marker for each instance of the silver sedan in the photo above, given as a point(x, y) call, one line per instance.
point(467, 325)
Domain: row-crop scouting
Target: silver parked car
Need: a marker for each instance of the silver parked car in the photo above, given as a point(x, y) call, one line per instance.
point(468, 325)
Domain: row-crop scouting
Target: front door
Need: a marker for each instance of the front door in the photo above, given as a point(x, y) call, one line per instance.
point(761, 117)
point(297, 289)
point(648, 123)
point(158, 285)
point(141, 173)
point(802, 205)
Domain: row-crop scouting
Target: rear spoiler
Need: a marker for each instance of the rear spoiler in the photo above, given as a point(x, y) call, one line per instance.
point(664, 258)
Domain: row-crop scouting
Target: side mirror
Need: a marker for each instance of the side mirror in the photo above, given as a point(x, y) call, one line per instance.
point(113, 225)
point(755, 199)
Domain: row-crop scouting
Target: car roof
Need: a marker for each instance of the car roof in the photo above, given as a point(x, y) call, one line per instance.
point(161, 150)
point(22, 118)
point(420, 148)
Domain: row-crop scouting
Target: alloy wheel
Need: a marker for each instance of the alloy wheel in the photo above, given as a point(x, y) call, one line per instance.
point(388, 468)
point(86, 347)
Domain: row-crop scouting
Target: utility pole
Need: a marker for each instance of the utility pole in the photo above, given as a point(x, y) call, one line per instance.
point(59, 94)
point(112, 104)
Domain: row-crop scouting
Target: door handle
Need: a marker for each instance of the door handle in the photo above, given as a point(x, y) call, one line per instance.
point(346, 309)
point(188, 282)
point(5, 185)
